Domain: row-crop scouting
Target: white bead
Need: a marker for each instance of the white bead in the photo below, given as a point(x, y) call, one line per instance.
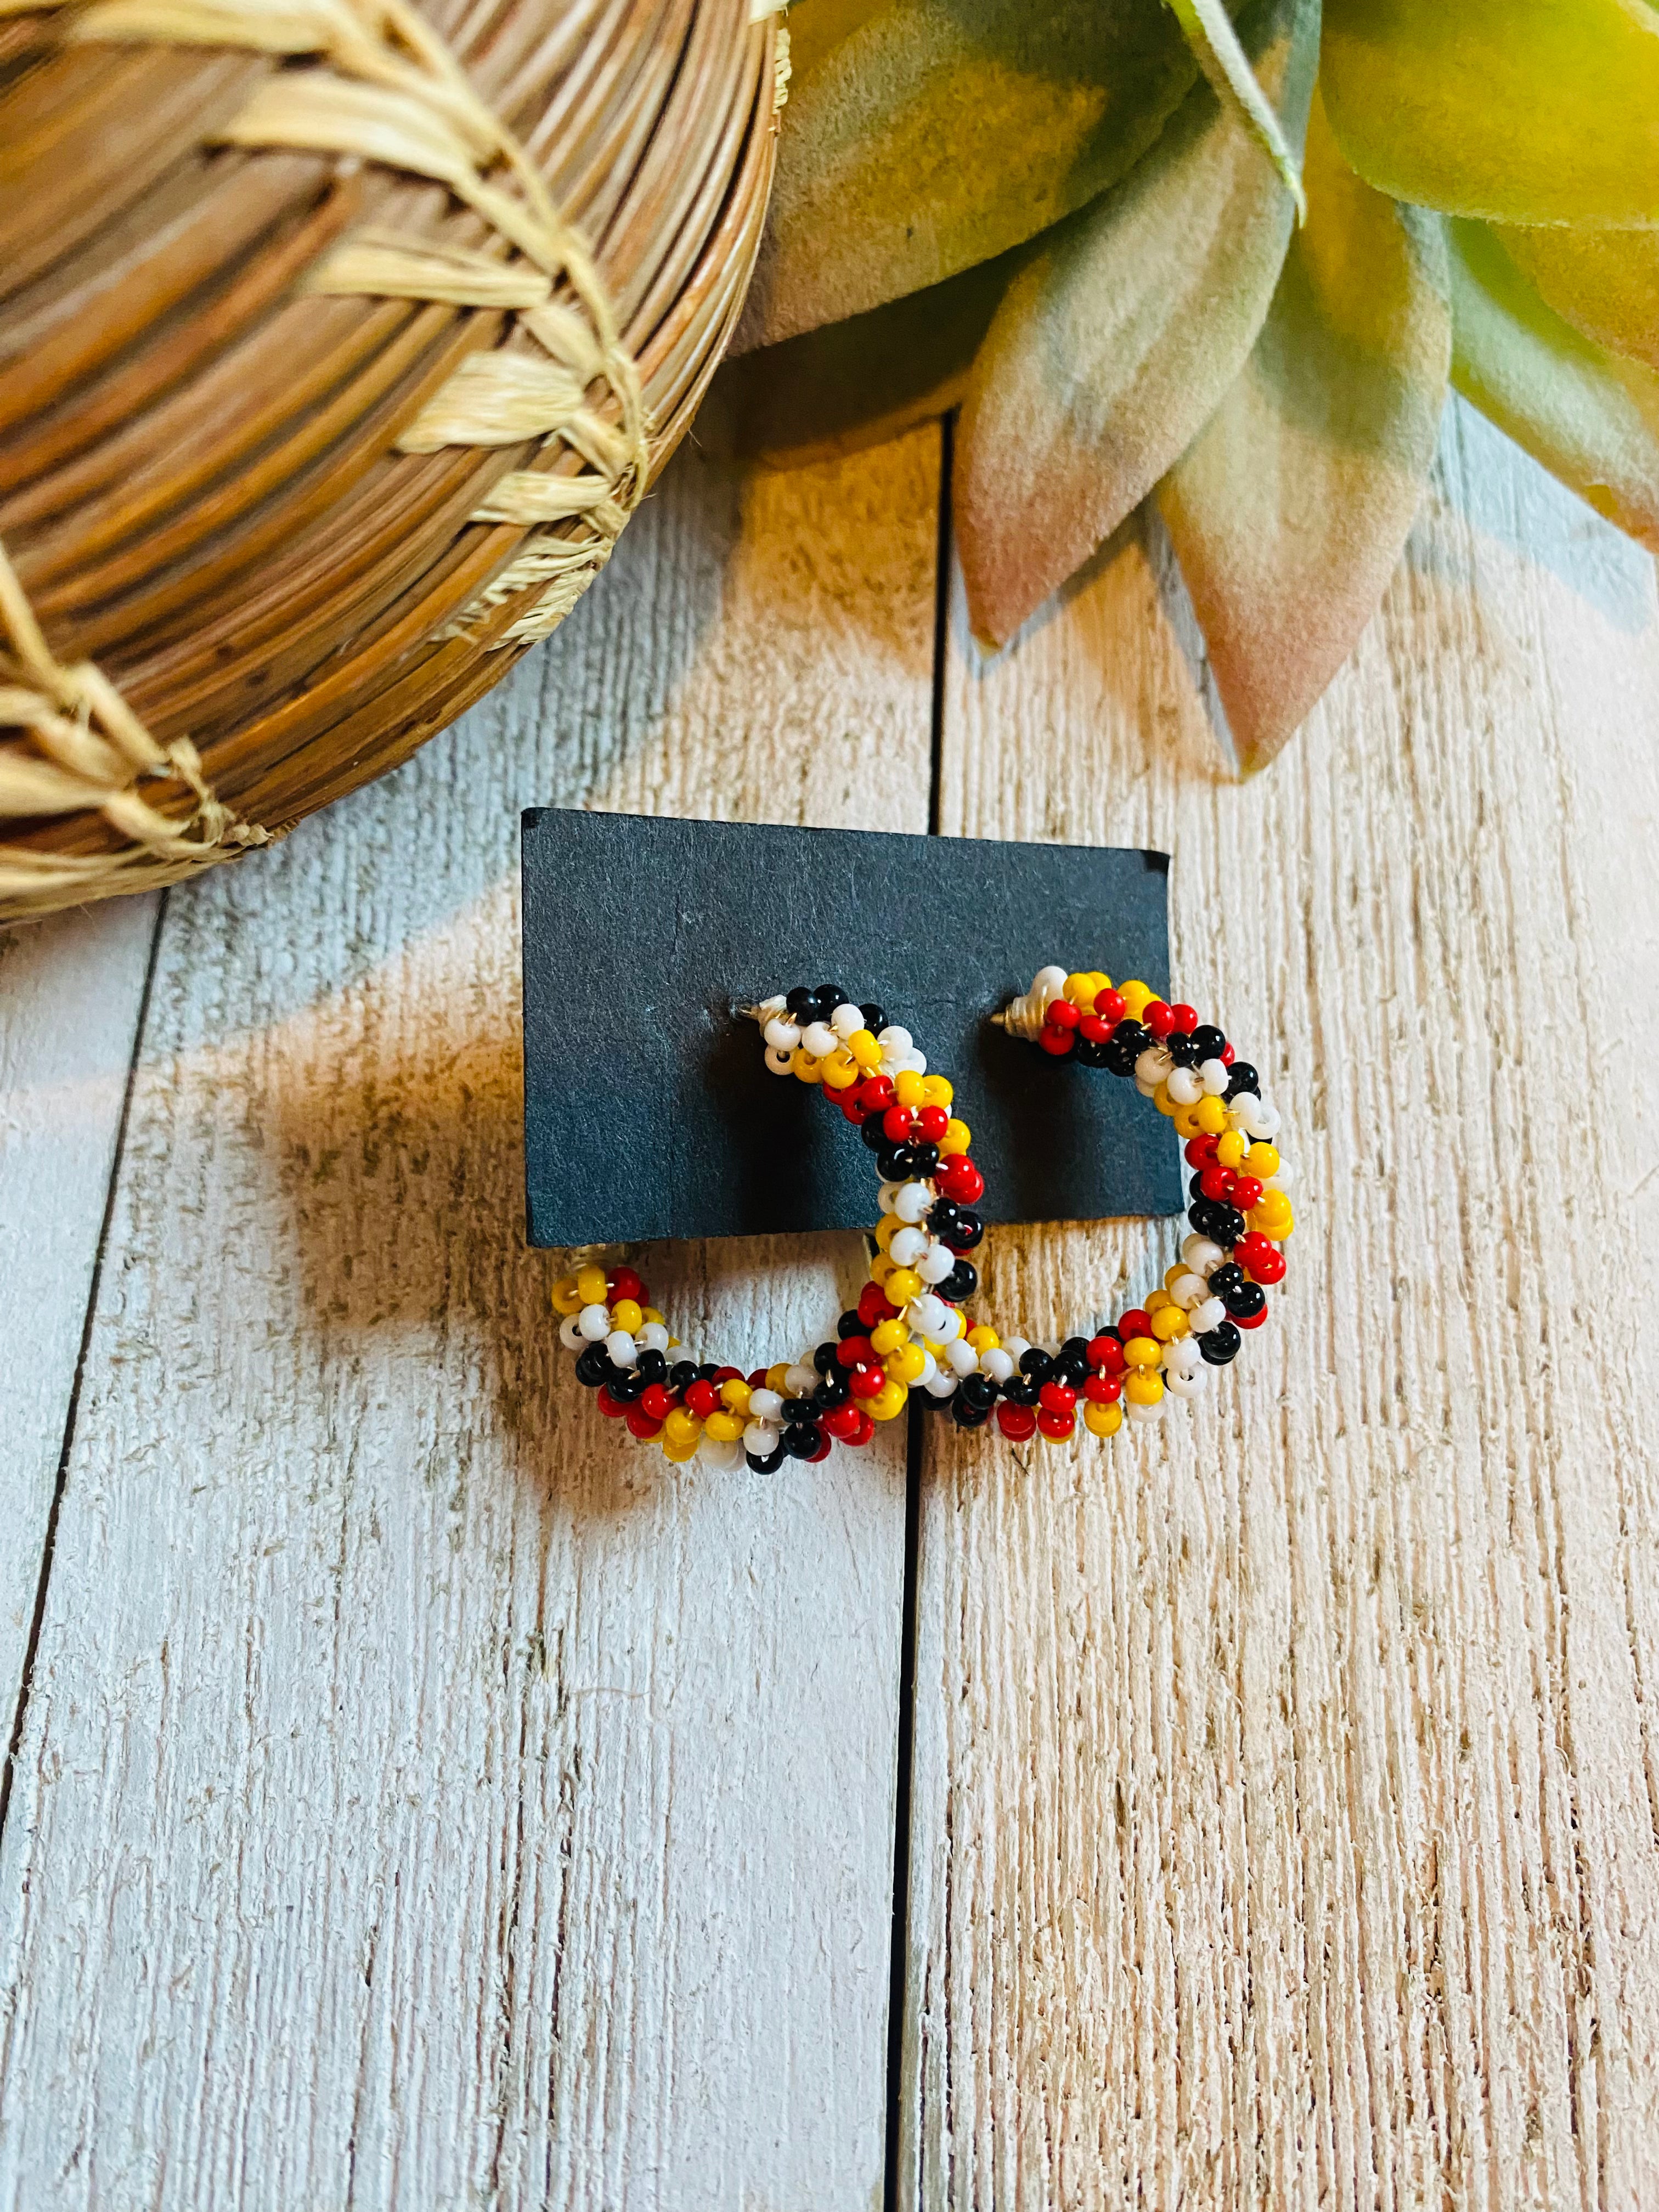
point(954, 1327)
point(782, 1033)
point(621, 1347)
point(847, 1020)
point(887, 1195)
point(777, 1059)
point(930, 1369)
point(570, 1334)
point(1188, 1385)
point(1153, 1065)
point(760, 1436)
point(1016, 1347)
point(937, 1385)
point(1181, 1356)
point(802, 1382)
point(819, 1039)
point(998, 1363)
point(962, 1356)
point(1282, 1177)
point(1267, 1122)
point(764, 1405)
point(1184, 1086)
point(594, 1322)
point(1209, 1315)
point(935, 1263)
point(926, 1315)
point(1201, 1255)
point(1215, 1075)
point(913, 1201)
point(654, 1337)
point(1187, 1291)
point(908, 1247)
point(904, 1063)
point(1136, 1412)
point(893, 1039)
point(1048, 983)
point(777, 1004)
point(1147, 1089)
point(720, 1454)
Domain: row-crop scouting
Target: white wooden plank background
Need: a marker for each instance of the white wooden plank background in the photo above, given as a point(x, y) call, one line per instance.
point(420, 1802)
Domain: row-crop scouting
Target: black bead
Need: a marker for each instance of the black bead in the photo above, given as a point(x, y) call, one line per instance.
point(1229, 1226)
point(801, 1439)
point(1195, 1188)
point(966, 1412)
point(1118, 1060)
point(829, 997)
point(1075, 1347)
point(960, 1284)
point(851, 1324)
point(834, 1391)
point(1019, 1393)
point(977, 1390)
point(896, 1163)
point(1220, 1344)
point(942, 1216)
point(1228, 1276)
point(799, 1409)
point(1246, 1302)
point(593, 1366)
point(874, 1020)
point(1208, 1043)
point(627, 1390)
point(708, 1369)
point(683, 1373)
point(823, 1358)
point(1133, 1037)
point(873, 1133)
point(1180, 1047)
point(1035, 1362)
point(969, 1231)
point(801, 1003)
point(1241, 1078)
point(770, 1465)
point(651, 1366)
point(1070, 1367)
point(1088, 1054)
point(924, 1160)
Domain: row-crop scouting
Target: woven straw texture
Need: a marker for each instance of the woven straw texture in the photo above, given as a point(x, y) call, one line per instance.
point(338, 342)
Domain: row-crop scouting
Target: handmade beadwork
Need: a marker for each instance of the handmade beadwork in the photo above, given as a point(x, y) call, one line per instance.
point(908, 1330)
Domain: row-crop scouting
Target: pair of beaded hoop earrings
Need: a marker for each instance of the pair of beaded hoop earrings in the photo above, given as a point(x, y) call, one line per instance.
point(909, 1329)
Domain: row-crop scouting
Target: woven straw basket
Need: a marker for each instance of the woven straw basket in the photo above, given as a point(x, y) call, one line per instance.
point(338, 340)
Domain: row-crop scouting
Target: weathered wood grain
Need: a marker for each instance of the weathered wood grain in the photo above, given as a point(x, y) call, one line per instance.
point(69, 1005)
point(423, 1801)
point(1287, 1803)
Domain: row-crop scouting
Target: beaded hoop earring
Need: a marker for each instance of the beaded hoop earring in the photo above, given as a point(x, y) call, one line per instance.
point(908, 1330)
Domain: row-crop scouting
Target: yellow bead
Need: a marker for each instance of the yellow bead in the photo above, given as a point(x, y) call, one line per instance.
point(1230, 1152)
point(735, 1394)
point(888, 1401)
point(1155, 1301)
point(1261, 1160)
point(1136, 997)
point(592, 1287)
point(777, 1377)
point(910, 1090)
point(801, 1063)
point(627, 1314)
point(1143, 1352)
point(840, 1070)
point(1163, 1101)
point(886, 1229)
point(567, 1299)
point(957, 1139)
point(880, 1268)
point(1168, 1323)
point(1187, 1123)
point(1081, 990)
point(1276, 1225)
point(1145, 1386)
point(905, 1364)
point(902, 1286)
point(678, 1453)
point(682, 1426)
point(725, 1428)
point(984, 1338)
point(1102, 1421)
point(1173, 1275)
point(864, 1048)
point(1101, 981)
point(650, 1314)
point(1211, 1116)
point(936, 1090)
point(887, 1335)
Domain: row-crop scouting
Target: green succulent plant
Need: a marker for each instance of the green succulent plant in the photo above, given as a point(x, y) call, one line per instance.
point(1228, 258)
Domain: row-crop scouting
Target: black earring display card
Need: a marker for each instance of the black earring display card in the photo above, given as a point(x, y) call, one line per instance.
point(649, 1111)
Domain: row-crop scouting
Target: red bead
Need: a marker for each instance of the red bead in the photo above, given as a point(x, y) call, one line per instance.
point(1266, 1266)
point(867, 1382)
point(1249, 1321)
point(1226, 1055)
point(932, 1121)
point(1106, 1351)
point(856, 1350)
point(727, 1375)
point(863, 1432)
point(625, 1284)
point(1246, 1192)
point(702, 1399)
point(1061, 1015)
point(1103, 1389)
point(852, 1108)
point(1252, 1247)
point(1057, 1426)
point(959, 1178)
point(1134, 1323)
point(1016, 1421)
point(1058, 1397)
point(1058, 1042)
point(1109, 1005)
point(895, 1125)
point(1093, 1030)
point(876, 1093)
point(875, 1305)
point(842, 1420)
point(1184, 1019)
point(608, 1405)
point(657, 1401)
point(1200, 1151)
point(758, 1380)
point(641, 1422)
point(1157, 1018)
point(822, 1452)
point(1217, 1181)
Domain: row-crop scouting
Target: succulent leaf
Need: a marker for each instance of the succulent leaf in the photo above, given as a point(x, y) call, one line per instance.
point(1517, 111)
point(924, 136)
point(1117, 340)
point(1208, 31)
point(1589, 416)
point(1289, 511)
point(1606, 283)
